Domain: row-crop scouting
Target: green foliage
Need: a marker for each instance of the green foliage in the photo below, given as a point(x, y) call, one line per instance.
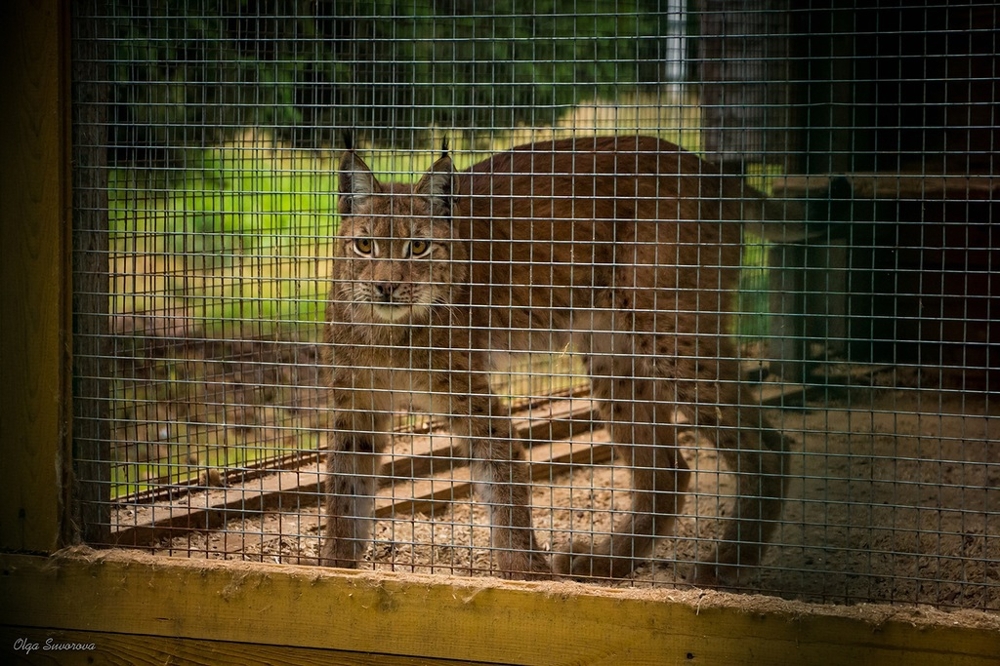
point(753, 294)
point(188, 73)
point(236, 199)
point(508, 66)
point(236, 242)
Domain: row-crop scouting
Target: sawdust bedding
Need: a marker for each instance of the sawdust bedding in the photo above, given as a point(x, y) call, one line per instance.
point(893, 498)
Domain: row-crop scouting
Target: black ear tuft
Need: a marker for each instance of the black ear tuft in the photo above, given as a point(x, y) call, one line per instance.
point(436, 185)
point(357, 182)
point(348, 140)
point(444, 147)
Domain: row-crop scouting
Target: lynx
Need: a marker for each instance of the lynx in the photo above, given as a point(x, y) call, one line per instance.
point(624, 248)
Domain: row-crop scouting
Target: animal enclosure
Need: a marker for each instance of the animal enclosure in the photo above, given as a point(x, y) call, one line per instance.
point(209, 194)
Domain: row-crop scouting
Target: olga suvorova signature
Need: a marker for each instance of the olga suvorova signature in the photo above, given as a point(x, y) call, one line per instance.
point(51, 645)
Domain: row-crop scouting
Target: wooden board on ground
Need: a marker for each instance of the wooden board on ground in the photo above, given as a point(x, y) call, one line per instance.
point(433, 455)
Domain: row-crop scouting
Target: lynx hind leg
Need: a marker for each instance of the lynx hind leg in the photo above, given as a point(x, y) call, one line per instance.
point(641, 427)
point(755, 452)
point(352, 465)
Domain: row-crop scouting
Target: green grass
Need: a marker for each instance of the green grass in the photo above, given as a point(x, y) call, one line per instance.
point(751, 322)
point(242, 239)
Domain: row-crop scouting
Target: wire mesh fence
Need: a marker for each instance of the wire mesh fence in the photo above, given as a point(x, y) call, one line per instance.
point(273, 344)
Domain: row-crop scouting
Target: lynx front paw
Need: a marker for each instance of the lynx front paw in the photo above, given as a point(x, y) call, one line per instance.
point(721, 576)
point(524, 566)
point(337, 563)
point(340, 553)
point(588, 561)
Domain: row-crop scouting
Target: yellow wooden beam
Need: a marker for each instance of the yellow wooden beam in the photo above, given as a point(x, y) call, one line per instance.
point(33, 275)
point(466, 619)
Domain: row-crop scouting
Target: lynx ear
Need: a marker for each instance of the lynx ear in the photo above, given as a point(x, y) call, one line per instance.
point(436, 185)
point(357, 182)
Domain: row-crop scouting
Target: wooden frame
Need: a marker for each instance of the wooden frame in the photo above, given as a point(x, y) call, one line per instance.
point(145, 608)
point(119, 605)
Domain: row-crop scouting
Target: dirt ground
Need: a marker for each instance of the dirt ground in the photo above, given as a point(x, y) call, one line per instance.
point(894, 497)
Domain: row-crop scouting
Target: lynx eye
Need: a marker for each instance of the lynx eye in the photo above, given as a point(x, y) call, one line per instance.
point(419, 247)
point(363, 246)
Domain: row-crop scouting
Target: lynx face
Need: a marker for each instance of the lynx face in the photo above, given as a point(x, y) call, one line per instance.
point(395, 249)
point(393, 269)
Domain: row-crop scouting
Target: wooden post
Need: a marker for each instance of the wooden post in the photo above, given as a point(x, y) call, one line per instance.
point(34, 489)
point(91, 423)
point(745, 74)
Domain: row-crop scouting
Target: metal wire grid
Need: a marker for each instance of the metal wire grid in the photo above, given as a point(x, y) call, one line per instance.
point(871, 347)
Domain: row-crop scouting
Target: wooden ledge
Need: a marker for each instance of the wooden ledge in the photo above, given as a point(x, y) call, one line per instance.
point(140, 608)
point(888, 185)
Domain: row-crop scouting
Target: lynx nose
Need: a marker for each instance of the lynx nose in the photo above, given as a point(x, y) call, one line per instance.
point(385, 290)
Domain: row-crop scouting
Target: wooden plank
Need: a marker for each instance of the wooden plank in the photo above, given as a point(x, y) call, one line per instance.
point(428, 476)
point(211, 509)
point(548, 419)
point(399, 496)
point(891, 185)
point(556, 420)
point(424, 495)
point(34, 278)
point(471, 619)
point(820, 386)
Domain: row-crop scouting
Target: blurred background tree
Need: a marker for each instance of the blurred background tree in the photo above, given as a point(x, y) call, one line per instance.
point(190, 74)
